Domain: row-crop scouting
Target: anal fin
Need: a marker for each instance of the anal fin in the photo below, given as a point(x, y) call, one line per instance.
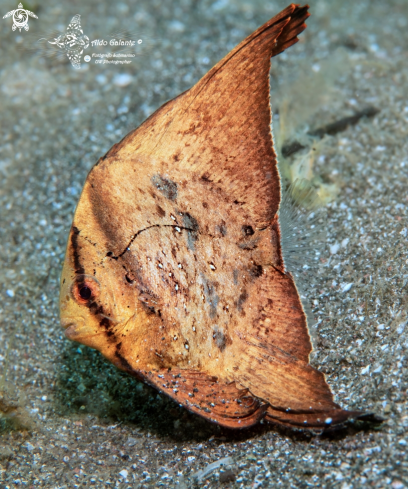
point(203, 394)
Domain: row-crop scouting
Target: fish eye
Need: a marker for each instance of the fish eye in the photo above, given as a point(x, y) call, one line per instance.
point(85, 292)
point(85, 289)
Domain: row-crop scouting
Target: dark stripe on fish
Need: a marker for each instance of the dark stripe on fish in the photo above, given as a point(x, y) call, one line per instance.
point(123, 362)
point(79, 269)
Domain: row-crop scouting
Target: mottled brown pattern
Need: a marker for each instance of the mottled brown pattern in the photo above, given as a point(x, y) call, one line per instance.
point(178, 226)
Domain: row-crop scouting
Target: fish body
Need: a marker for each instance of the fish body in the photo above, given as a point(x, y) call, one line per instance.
point(174, 267)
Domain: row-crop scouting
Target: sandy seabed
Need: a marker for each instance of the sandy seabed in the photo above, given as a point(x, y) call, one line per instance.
point(68, 418)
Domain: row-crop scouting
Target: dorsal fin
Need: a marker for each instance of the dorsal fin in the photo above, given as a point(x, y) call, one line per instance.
point(220, 128)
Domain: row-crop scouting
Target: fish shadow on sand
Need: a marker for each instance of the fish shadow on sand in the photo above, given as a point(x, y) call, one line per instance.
point(88, 385)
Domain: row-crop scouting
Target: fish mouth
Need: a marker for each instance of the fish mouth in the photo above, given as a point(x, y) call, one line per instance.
point(70, 325)
point(67, 322)
point(77, 329)
point(70, 331)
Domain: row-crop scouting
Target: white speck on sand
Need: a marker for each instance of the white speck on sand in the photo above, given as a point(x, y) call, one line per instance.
point(122, 80)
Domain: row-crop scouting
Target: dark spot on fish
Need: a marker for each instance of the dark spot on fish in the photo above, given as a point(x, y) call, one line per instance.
point(248, 245)
point(109, 253)
point(160, 211)
point(248, 230)
point(256, 270)
point(193, 127)
point(205, 205)
point(205, 177)
point(150, 303)
point(241, 299)
point(176, 157)
point(220, 339)
point(210, 295)
point(167, 187)
point(191, 223)
point(105, 323)
point(128, 279)
point(75, 251)
point(221, 228)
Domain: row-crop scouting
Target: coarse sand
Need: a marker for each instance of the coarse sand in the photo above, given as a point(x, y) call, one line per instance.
point(70, 419)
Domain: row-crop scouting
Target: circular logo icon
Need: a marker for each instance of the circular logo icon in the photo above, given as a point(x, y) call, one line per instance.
point(87, 58)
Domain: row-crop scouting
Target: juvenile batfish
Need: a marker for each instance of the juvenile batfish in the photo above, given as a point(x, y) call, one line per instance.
point(173, 268)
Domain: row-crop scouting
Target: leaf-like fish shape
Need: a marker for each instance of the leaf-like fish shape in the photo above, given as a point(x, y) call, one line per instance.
point(174, 268)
